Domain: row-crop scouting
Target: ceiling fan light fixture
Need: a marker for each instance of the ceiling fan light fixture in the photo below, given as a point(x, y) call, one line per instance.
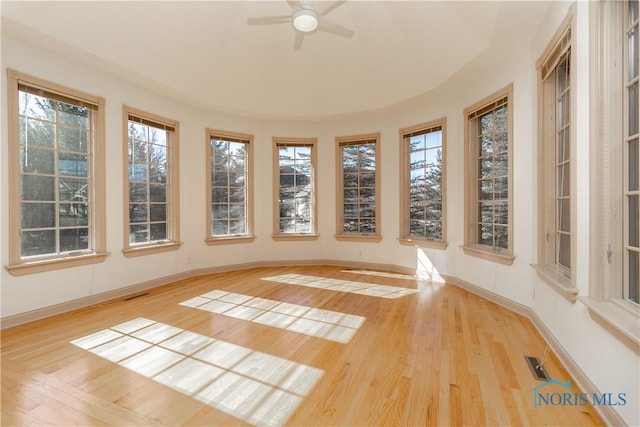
point(305, 20)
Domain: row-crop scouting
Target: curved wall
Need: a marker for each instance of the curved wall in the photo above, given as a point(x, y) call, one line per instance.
point(591, 347)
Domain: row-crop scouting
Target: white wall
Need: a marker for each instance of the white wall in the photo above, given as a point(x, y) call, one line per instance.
point(609, 364)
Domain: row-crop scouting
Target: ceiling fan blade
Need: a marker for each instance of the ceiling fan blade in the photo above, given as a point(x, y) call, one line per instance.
point(268, 20)
point(297, 44)
point(332, 7)
point(295, 4)
point(328, 26)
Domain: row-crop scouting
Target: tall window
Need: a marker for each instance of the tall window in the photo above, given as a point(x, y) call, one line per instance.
point(358, 186)
point(488, 188)
point(422, 200)
point(57, 176)
point(295, 205)
point(631, 165)
point(229, 186)
point(555, 173)
point(613, 276)
point(151, 208)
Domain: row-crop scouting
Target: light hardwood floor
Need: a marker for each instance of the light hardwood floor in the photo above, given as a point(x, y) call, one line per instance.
point(338, 353)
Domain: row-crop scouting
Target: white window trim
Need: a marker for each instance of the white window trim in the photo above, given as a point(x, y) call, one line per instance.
point(340, 234)
point(18, 266)
point(405, 167)
point(249, 235)
point(173, 182)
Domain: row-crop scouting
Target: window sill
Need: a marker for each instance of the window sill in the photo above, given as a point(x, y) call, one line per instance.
point(346, 237)
point(621, 318)
point(56, 263)
point(135, 251)
point(212, 241)
point(292, 236)
point(423, 243)
point(489, 255)
point(557, 281)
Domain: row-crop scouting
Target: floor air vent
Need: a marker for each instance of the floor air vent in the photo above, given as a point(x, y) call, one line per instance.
point(135, 296)
point(536, 368)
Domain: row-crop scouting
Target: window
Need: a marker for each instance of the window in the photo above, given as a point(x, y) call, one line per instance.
point(151, 216)
point(488, 183)
point(56, 176)
point(295, 166)
point(631, 153)
point(358, 188)
point(229, 216)
point(422, 194)
point(556, 148)
point(614, 282)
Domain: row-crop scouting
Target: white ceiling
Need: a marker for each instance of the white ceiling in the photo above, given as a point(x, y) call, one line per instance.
point(206, 54)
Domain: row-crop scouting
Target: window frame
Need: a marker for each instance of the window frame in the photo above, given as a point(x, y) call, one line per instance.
point(605, 299)
point(97, 203)
point(471, 114)
point(547, 268)
point(173, 242)
point(342, 141)
point(405, 183)
point(248, 140)
point(292, 141)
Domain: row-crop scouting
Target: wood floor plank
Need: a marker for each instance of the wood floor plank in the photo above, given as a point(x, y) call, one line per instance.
point(437, 357)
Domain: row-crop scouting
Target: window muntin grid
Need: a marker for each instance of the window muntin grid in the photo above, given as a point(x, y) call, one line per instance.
point(631, 163)
point(358, 161)
point(295, 188)
point(148, 176)
point(229, 178)
point(425, 183)
point(56, 137)
point(492, 177)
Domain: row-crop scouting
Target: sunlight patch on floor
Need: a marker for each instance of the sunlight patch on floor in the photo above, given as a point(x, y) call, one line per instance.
point(258, 388)
point(330, 325)
point(361, 288)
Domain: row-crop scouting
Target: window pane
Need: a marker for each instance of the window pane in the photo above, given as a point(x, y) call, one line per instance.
point(633, 165)
point(502, 237)
point(220, 227)
point(501, 213)
point(236, 211)
point(501, 188)
point(238, 195)
point(433, 139)
point(137, 192)
point(138, 151)
point(157, 192)
point(634, 276)
point(433, 211)
point(417, 160)
point(434, 230)
point(137, 212)
point(564, 250)
point(72, 139)
point(37, 133)
point(138, 233)
point(35, 187)
point(633, 109)
point(73, 164)
point(73, 189)
point(74, 214)
point(485, 212)
point(418, 212)
point(633, 49)
point(38, 242)
point(485, 166)
point(563, 179)
point(485, 234)
point(73, 115)
point(37, 160)
point(633, 221)
point(564, 215)
point(158, 212)
point(138, 172)
point(38, 215)
point(416, 143)
point(159, 232)
point(238, 227)
point(74, 239)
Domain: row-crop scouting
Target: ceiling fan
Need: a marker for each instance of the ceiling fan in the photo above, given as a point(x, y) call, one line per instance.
point(306, 20)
